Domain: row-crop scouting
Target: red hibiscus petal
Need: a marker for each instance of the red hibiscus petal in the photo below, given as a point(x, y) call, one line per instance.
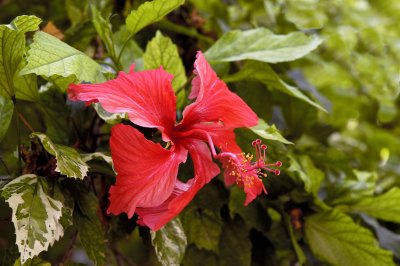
point(205, 170)
point(146, 96)
point(147, 172)
point(253, 191)
point(216, 106)
point(226, 141)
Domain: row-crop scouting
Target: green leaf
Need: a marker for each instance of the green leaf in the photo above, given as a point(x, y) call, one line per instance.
point(161, 51)
point(56, 114)
point(235, 245)
point(262, 45)
point(132, 53)
point(336, 239)
point(36, 215)
point(262, 72)
point(6, 113)
point(303, 168)
point(69, 162)
point(48, 56)
point(150, 12)
point(103, 28)
point(97, 155)
point(199, 257)
point(77, 11)
point(170, 243)
point(254, 214)
point(202, 228)
point(110, 118)
point(25, 86)
point(26, 23)
point(91, 232)
point(12, 44)
point(385, 207)
point(36, 261)
point(351, 190)
point(268, 132)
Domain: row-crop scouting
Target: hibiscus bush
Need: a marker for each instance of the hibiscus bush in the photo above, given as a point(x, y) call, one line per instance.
point(199, 132)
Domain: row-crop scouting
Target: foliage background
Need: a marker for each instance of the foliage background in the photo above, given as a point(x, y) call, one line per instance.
point(327, 94)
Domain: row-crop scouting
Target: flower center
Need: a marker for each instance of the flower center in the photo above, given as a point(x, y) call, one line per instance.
point(244, 169)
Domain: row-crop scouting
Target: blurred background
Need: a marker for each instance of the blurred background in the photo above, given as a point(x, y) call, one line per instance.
point(339, 146)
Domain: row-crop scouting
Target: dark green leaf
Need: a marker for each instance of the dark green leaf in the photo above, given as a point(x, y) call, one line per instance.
point(351, 190)
point(91, 235)
point(303, 168)
point(150, 12)
point(202, 228)
point(36, 261)
point(132, 53)
point(170, 243)
point(199, 257)
point(254, 214)
point(91, 232)
point(336, 239)
point(103, 28)
point(6, 113)
point(262, 45)
point(235, 245)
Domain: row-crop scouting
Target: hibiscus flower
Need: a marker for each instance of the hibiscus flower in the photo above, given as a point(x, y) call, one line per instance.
point(146, 181)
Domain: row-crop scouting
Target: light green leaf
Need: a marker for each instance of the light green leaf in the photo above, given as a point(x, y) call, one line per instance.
point(150, 12)
point(262, 72)
point(97, 155)
point(12, 44)
point(36, 216)
point(170, 243)
point(336, 239)
point(6, 113)
point(262, 45)
point(202, 227)
point(91, 232)
point(161, 51)
point(385, 207)
point(36, 261)
point(268, 132)
point(26, 23)
point(69, 162)
point(48, 56)
point(303, 168)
